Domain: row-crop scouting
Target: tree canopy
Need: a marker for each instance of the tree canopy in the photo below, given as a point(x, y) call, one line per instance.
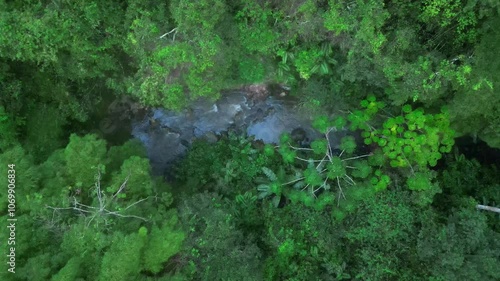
point(386, 192)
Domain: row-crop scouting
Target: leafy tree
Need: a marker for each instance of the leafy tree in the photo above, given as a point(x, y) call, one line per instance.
point(163, 243)
point(464, 178)
point(83, 155)
point(25, 180)
point(80, 231)
point(228, 166)
point(474, 111)
point(463, 248)
point(382, 237)
point(70, 271)
point(122, 260)
point(215, 248)
point(44, 137)
point(302, 243)
point(411, 138)
point(256, 32)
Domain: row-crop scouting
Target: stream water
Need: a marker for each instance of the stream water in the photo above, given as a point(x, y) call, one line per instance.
point(167, 134)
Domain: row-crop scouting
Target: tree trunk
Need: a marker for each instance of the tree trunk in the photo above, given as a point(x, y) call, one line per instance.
point(488, 208)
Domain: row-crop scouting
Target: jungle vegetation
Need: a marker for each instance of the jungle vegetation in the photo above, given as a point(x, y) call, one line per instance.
point(396, 200)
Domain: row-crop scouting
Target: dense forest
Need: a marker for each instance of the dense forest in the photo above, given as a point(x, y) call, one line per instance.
point(411, 191)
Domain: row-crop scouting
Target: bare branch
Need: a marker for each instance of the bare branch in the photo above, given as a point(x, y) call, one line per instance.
point(133, 204)
point(98, 189)
point(488, 208)
point(306, 160)
point(340, 188)
point(357, 157)
point(166, 34)
point(124, 184)
point(300, 148)
point(101, 210)
point(296, 180)
point(124, 216)
point(329, 148)
point(352, 182)
point(319, 164)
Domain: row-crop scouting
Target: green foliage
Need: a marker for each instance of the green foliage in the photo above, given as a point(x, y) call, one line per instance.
point(420, 181)
point(26, 179)
point(122, 260)
point(358, 120)
point(319, 146)
point(379, 238)
point(336, 168)
point(362, 169)
point(303, 244)
point(118, 154)
point(463, 248)
point(306, 173)
point(136, 172)
point(51, 193)
point(312, 177)
point(468, 178)
point(214, 247)
point(70, 271)
point(44, 36)
point(379, 181)
point(304, 61)
point(162, 244)
point(446, 13)
point(410, 138)
point(37, 268)
point(269, 150)
point(348, 144)
point(334, 21)
point(44, 137)
point(474, 111)
point(254, 23)
point(321, 123)
point(251, 71)
point(83, 155)
point(314, 215)
point(228, 166)
point(287, 154)
point(7, 129)
point(190, 16)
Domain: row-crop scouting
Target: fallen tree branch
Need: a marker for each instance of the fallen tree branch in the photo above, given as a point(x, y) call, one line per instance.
point(173, 30)
point(488, 208)
point(93, 212)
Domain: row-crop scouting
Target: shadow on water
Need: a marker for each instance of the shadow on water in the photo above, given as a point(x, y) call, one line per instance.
point(479, 150)
point(472, 149)
point(112, 119)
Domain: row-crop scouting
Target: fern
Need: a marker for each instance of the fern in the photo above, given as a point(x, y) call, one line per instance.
point(246, 199)
point(264, 190)
point(269, 174)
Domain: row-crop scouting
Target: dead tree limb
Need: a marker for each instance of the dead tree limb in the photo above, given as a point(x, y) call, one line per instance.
point(488, 208)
